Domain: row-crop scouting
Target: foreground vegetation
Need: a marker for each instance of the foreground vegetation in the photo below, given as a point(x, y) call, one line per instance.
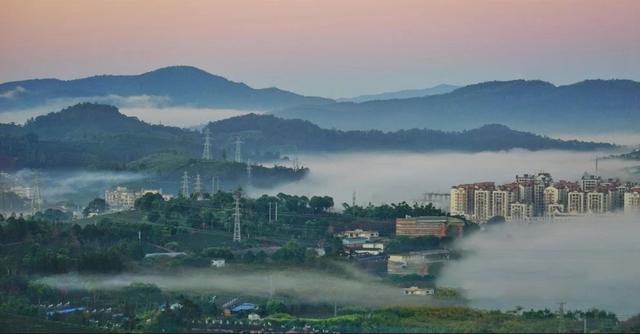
point(35, 250)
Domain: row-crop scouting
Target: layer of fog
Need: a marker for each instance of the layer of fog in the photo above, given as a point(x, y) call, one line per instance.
point(76, 186)
point(621, 138)
point(392, 177)
point(151, 109)
point(585, 262)
point(357, 288)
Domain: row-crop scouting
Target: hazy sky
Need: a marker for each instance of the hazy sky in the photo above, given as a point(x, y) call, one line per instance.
point(331, 48)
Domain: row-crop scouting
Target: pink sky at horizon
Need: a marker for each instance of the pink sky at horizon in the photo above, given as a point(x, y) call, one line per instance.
point(329, 48)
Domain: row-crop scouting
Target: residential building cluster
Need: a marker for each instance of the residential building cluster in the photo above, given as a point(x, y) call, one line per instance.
point(121, 198)
point(538, 195)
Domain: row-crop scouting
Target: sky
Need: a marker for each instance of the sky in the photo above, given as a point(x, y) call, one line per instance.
point(330, 48)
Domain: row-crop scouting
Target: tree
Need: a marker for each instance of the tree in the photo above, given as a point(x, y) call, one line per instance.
point(153, 216)
point(148, 201)
point(98, 205)
point(320, 203)
point(275, 306)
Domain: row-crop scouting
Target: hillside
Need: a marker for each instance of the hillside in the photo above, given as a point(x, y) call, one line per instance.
point(176, 85)
point(538, 106)
point(266, 132)
point(402, 94)
point(99, 136)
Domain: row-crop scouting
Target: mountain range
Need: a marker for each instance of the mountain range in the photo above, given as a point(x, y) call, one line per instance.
point(537, 106)
point(587, 106)
point(99, 136)
point(172, 86)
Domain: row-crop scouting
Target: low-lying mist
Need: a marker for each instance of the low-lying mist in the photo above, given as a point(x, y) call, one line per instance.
point(586, 262)
point(304, 285)
point(151, 109)
point(383, 177)
point(74, 185)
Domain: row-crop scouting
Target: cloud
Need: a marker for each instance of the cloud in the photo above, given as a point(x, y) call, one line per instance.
point(13, 93)
point(585, 261)
point(354, 288)
point(383, 177)
point(149, 108)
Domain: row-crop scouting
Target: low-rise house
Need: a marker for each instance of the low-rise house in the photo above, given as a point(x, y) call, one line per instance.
point(218, 263)
point(416, 291)
point(358, 233)
point(416, 263)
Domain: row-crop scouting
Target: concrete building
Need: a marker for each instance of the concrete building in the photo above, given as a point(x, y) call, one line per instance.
point(632, 200)
point(575, 202)
point(540, 182)
point(458, 202)
point(588, 182)
point(501, 203)
point(551, 198)
point(358, 233)
point(416, 263)
point(416, 291)
point(482, 205)
point(218, 263)
point(597, 202)
point(122, 198)
point(437, 226)
point(521, 211)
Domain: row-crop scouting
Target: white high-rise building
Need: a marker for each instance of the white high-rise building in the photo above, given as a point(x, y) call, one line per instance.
point(482, 205)
point(500, 203)
point(575, 202)
point(632, 200)
point(521, 211)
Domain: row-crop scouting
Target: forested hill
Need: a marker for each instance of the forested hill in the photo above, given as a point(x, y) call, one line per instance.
point(270, 131)
point(100, 136)
point(537, 106)
point(175, 85)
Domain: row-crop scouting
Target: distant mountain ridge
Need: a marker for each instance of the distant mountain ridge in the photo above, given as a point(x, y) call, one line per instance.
point(401, 94)
point(175, 85)
point(591, 105)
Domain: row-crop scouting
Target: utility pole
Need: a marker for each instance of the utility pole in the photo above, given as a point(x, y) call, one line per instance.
point(269, 212)
point(236, 224)
point(561, 329)
point(276, 211)
point(238, 157)
point(185, 184)
point(206, 152)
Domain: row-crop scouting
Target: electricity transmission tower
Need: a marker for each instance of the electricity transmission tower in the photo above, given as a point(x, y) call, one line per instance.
point(185, 184)
point(198, 186)
point(36, 197)
point(238, 143)
point(236, 224)
point(206, 152)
